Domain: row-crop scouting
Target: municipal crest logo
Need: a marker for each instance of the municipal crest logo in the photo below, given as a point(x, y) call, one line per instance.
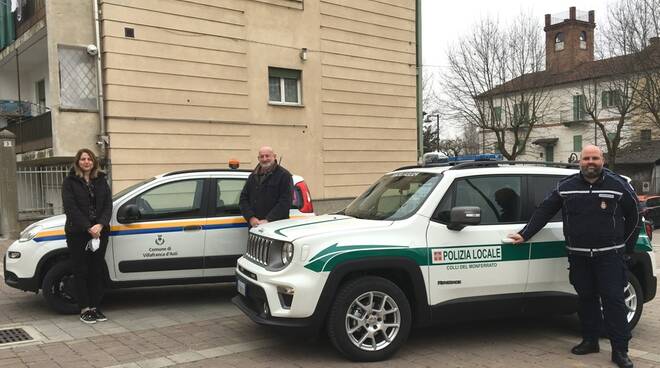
point(159, 240)
point(603, 205)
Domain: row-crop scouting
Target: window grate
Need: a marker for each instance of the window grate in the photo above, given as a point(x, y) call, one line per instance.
point(12, 335)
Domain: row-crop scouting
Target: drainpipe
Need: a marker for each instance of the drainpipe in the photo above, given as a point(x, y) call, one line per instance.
point(418, 46)
point(103, 139)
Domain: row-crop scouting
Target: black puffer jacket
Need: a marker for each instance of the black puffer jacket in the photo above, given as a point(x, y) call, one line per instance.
point(270, 199)
point(76, 201)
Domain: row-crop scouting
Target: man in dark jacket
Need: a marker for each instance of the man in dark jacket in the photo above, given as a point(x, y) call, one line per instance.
point(601, 223)
point(266, 195)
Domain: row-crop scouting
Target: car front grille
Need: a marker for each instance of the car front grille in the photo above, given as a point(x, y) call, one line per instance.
point(258, 249)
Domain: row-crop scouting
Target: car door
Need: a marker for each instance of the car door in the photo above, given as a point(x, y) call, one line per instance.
point(226, 230)
point(548, 261)
point(473, 264)
point(167, 241)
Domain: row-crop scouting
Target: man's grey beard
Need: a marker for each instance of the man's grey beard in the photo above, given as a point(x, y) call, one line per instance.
point(591, 172)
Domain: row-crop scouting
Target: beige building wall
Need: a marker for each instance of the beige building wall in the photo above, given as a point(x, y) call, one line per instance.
point(69, 22)
point(191, 89)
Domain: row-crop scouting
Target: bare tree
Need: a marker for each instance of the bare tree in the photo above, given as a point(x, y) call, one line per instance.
point(493, 81)
point(451, 147)
point(633, 66)
point(618, 95)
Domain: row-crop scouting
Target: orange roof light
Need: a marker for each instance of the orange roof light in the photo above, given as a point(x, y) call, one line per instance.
point(234, 164)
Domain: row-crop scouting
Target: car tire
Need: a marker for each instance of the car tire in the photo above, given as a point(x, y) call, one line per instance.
point(58, 288)
point(365, 312)
point(635, 301)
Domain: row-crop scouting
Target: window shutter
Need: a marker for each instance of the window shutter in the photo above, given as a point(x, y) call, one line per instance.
point(576, 108)
point(283, 73)
point(604, 99)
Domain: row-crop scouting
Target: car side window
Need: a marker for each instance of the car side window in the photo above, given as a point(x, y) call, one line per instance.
point(443, 210)
point(228, 196)
point(176, 200)
point(539, 188)
point(498, 197)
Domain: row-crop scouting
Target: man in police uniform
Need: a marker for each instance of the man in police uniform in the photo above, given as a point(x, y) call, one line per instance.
point(266, 196)
point(601, 223)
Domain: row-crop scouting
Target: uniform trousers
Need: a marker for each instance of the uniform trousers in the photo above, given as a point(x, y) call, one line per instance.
point(600, 279)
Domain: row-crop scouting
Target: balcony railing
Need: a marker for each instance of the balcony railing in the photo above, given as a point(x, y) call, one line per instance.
point(33, 134)
point(31, 13)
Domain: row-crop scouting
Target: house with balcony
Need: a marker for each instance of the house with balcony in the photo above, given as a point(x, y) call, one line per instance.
point(574, 85)
point(330, 84)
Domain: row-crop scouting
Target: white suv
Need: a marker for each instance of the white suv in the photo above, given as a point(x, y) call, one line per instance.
point(176, 228)
point(421, 245)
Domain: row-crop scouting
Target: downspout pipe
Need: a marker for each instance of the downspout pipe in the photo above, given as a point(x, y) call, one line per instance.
point(418, 46)
point(103, 139)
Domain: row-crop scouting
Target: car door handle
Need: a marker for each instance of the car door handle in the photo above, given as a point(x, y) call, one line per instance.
point(192, 228)
point(507, 240)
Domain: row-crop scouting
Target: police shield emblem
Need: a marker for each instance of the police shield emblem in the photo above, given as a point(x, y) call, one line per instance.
point(603, 205)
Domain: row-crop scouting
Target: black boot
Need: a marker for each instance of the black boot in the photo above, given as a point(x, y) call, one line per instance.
point(587, 346)
point(621, 359)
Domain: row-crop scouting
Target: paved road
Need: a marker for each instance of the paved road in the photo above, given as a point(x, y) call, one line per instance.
point(196, 326)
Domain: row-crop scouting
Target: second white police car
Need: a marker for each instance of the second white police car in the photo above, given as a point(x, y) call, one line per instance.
point(421, 245)
point(176, 228)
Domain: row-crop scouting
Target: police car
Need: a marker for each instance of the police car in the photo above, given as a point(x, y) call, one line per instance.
point(176, 228)
point(421, 245)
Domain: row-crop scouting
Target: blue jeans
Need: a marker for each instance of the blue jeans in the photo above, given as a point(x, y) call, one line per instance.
point(601, 278)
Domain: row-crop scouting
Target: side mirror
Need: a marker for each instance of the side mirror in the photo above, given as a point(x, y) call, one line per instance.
point(461, 217)
point(128, 213)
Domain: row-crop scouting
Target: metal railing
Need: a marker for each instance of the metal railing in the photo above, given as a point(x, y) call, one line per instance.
point(31, 12)
point(33, 134)
point(40, 191)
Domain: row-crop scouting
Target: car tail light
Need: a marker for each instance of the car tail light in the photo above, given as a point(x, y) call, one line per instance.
point(306, 206)
point(649, 230)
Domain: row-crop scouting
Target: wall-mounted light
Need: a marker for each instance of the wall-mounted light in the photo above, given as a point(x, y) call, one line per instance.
point(303, 54)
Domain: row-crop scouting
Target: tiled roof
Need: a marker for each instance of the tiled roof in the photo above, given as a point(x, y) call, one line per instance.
point(646, 153)
point(649, 58)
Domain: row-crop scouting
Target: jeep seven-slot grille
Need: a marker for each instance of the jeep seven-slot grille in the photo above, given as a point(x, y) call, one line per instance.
point(258, 249)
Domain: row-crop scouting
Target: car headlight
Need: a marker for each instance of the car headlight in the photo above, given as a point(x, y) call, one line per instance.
point(29, 233)
point(287, 253)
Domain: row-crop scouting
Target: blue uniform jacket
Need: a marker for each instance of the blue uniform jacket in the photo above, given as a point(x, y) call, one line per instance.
point(598, 215)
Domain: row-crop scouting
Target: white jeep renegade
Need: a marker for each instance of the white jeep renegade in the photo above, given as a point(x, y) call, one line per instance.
point(420, 245)
point(176, 228)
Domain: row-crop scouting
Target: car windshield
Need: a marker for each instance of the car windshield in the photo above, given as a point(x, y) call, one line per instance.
point(394, 197)
point(121, 193)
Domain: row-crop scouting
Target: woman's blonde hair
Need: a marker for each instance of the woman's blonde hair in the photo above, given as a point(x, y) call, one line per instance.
point(95, 169)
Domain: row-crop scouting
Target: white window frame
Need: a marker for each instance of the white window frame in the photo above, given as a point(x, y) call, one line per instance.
point(282, 101)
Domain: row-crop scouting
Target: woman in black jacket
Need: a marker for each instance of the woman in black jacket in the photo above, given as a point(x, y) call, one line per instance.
point(88, 207)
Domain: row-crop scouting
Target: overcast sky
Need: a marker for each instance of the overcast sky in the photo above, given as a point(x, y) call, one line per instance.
point(443, 21)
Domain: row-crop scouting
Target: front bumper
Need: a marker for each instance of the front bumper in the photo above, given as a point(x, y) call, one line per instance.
point(25, 284)
point(252, 304)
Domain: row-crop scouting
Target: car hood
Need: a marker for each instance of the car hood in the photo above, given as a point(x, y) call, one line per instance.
point(290, 230)
point(51, 223)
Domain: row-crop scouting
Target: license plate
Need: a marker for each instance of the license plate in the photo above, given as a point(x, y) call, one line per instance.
point(240, 285)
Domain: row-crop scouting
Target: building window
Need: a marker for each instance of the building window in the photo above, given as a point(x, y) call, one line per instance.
point(496, 114)
point(611, 98)
point(611, 136)
point(284, 86)
point(559, 41)
point(78, 89)
point(646, 134)
point(583, 40)
point(577, 143)
point(521, 113)
point(40, 95)
point(579, 108)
